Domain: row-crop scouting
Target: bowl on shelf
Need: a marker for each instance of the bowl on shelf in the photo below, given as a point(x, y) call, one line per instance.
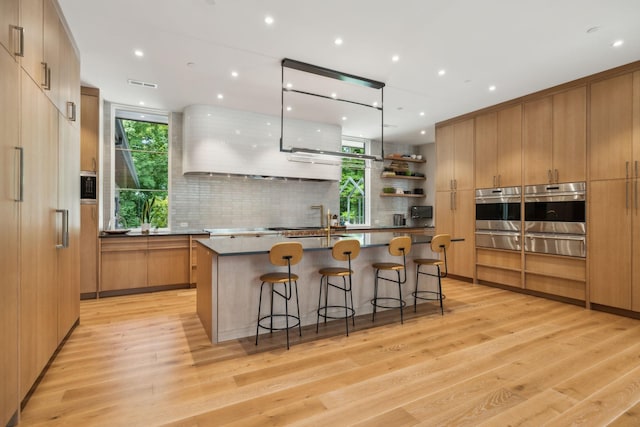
point(388, 190)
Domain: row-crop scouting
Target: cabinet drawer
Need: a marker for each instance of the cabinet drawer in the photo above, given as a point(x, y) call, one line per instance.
point(555, 286)
point(123, 244)
point(500, 276)
point(559, 267)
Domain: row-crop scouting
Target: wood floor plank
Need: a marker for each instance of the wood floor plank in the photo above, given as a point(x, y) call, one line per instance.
point(495, 358)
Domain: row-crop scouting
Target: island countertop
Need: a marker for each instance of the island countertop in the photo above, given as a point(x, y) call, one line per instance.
point(226, 246)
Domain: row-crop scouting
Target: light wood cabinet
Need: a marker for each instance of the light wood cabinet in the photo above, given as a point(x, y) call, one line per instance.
point(455, 209)
point(136, 262)
point(455, 215)
point(9, 228)
point(89, 133)
point(454, 156)
point(556, 275)
point(555, 144)
point(9, 37)
point(614, 197)
point(498, 139)
point(31, 20)
point(168, 261)
point(89, 250)
point(499, 266)
point(40, 228)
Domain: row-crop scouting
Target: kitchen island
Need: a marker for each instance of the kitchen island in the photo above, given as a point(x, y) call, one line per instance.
point(229, 270)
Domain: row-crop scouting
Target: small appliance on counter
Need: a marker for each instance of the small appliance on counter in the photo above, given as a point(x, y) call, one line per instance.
point(399, 220)
point(421, 216)
point(88, 187)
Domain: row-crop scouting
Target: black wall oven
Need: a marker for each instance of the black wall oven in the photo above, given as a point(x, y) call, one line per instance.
point(498, 219)
point(555, 219)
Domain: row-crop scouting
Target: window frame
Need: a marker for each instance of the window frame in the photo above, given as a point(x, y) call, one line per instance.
point(366, 143)
point(117, 109)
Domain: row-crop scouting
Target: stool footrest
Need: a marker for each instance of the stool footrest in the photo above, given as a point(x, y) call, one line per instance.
point(399, 302)
point(435, 297)
point(296, 322)
point(326, 315)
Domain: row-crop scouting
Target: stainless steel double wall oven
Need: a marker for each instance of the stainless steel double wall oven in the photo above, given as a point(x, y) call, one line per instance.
point(498, 219)
point(554, 219)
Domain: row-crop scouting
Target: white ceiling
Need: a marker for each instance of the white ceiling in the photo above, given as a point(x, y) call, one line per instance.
point(192, 46)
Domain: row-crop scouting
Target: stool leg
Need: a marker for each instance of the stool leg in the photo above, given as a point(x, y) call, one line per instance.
point(415, 293)
point(259, 305)
point(286, 313)
point(400, 298)
point(440, 291)
point(346, 308)
point(319, 301)
point(298, 306)
point(375, 296)
point(271, 312)
point(353, 316)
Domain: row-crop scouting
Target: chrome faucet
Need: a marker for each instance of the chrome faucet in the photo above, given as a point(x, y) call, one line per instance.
point(321, 207)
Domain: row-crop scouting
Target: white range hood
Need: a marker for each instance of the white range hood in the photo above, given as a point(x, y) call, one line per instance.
point(224, 141)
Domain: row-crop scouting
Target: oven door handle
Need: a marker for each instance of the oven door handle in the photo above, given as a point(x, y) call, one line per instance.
point(555, 236)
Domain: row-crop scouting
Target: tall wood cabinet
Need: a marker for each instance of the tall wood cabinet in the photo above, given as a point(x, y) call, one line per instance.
point(455, 198)
point(614, 196)
point(555, 138)
point(10, 172)
point(498, 139)
point(39, 201)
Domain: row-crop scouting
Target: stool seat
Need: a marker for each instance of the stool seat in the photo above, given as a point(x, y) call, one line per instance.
point(343, 250)
point(335, 271)
point(398, 246)
point(278, 277)
point(439, 244)
point(387, 266)
point(283, 254)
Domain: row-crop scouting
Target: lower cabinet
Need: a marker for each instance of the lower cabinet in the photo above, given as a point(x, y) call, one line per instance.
point(138, 262)
point(89, 252)
point(499, 266)
point(555, 275)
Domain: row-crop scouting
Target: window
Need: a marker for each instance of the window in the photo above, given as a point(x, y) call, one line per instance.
point(141, 169)
point(353, 184)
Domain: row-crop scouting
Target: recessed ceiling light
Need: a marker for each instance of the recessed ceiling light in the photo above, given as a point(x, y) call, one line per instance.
point(289, 108)
point(375, 103)
point(338, 41)
point(268, 20)
point(442, 72)
point(422, 132)
point(422, 113)
point(268, 123)
point(138, 53)
point(344, 118)
point(617, 43)
point(289, 85)
point(141, 102)
point(234, 74)
point(492, 88)
point(334, 95)
point(220, 96)
point(395, 58)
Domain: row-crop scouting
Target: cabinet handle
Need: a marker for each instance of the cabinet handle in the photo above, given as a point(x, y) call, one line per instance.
point(71, 111)
point(549, 176)
point(455, 201)
point(636, 168)
point(20, 197)
point(455, 184)
point(556, 175)
point(635, 195)
point(20, 51)
point(47, 76)
point(627, 168)
point(65, 229)
point(95, 164)
point(626, 194)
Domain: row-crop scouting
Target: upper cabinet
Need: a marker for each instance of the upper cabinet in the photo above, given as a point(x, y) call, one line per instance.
point(9, 34)
point(611, 129)
point(554, 131)
point(454, 156)
point(48, 54)
point(498, 138)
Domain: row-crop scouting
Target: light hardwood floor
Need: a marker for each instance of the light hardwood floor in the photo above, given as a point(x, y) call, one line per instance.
point(495, 358)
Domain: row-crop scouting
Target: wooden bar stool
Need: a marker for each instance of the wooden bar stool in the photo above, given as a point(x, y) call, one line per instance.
point(281, 254)
point(439, 244)
point(398, 246)
point(343, 250)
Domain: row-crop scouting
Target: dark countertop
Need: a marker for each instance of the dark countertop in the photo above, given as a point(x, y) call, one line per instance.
point(154, 234)
point(226, 246)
